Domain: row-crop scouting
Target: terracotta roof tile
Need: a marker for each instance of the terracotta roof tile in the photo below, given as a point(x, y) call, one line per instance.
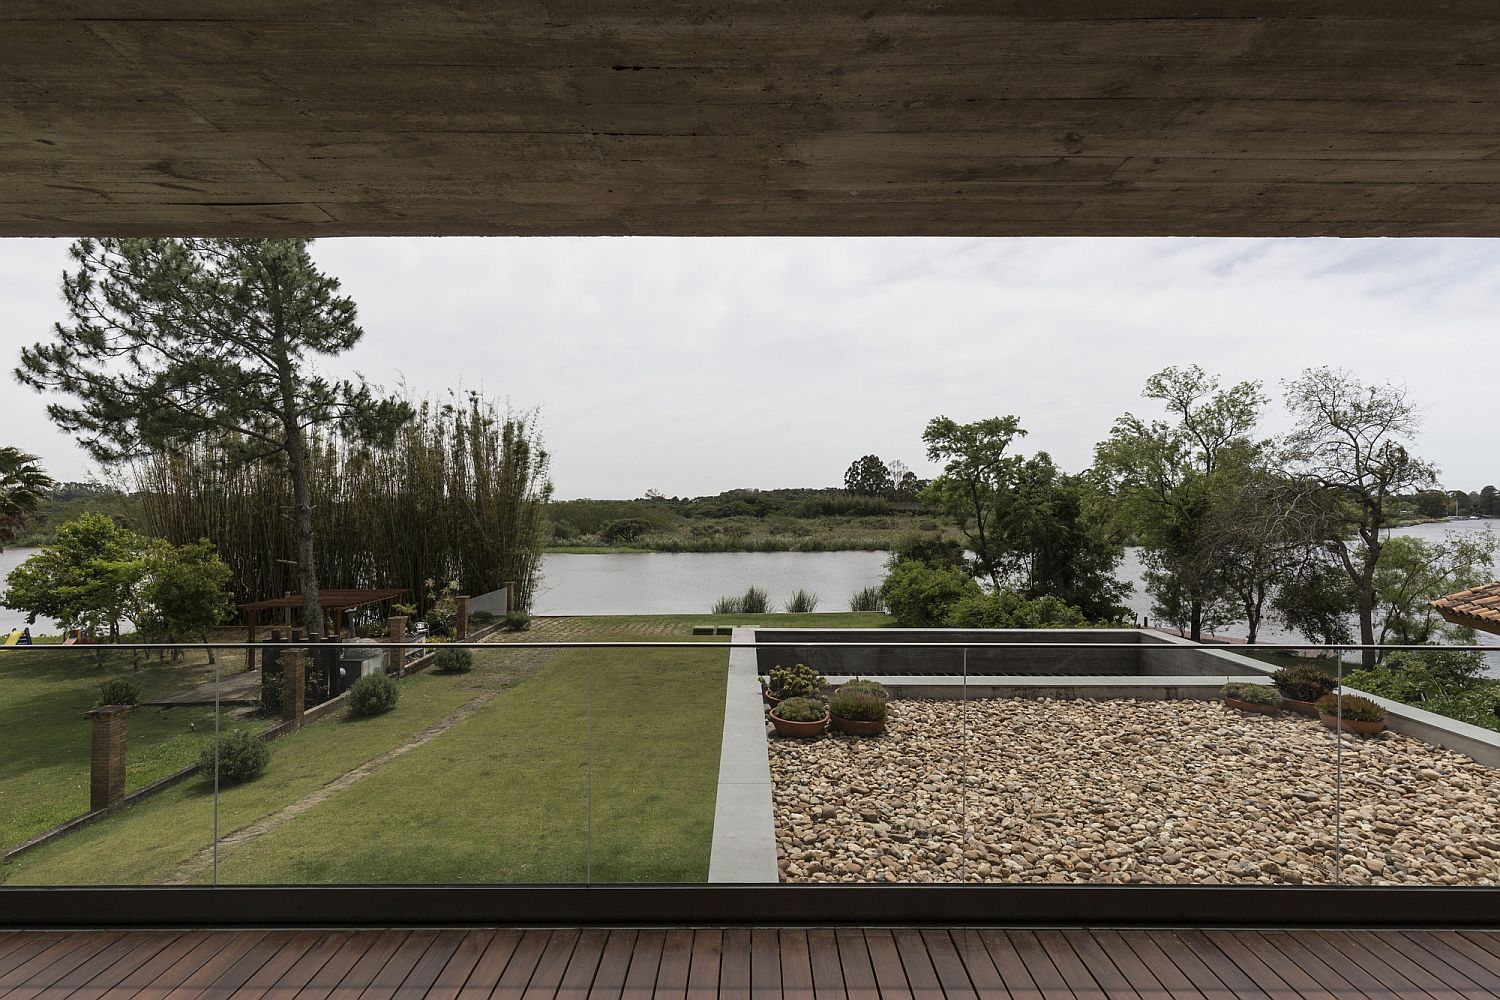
point(1478, 607)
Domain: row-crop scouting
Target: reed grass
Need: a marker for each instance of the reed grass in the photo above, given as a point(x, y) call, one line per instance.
point(803, 602)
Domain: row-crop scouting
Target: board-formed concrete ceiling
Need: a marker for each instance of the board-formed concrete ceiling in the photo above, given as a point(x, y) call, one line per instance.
point(750, 117)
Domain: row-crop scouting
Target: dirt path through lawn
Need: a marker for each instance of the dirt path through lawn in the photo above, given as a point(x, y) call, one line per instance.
point(200, 864)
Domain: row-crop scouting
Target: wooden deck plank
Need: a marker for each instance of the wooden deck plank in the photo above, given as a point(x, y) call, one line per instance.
point(481, 977)
point(1007, 961)
point(1069, 965)
point(1367, 983)
point(734, 964)
point(676, 962)
point(12, 940)
point(512, 982)
point(921, 977)
point(1434, 944)
point(34, 982)
point(359, 978)
point(1307, 985)
point(1486, 940)
point(1479, 956)
point(645, 962)
point(886, 959)
point(827, 969)
point(394, 972)
point(765, 964)
point(424, 974)
point(133, 950)
point(547, 978)
point(1139, 947)
point(35, 963)
point(127, 976)
point(854, 959)
point(1038, 965)
point(228, 982)
point(952, 975)
point(162, 981)
point(1409, 961)
point(796, 966)
point(1240, 983)
point(269, 984)
point(976, 958)
point(578, 977)
point(201, 978)
point(705, 964)
point(1326, 975)
point(1175, 953)
point(1107, 974)
point(318, 982)
point(614, 962)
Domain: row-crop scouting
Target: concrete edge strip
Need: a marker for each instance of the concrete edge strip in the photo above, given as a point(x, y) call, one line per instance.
point(744, 838)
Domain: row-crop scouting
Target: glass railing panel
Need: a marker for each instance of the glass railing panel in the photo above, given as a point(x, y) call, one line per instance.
point(100, 783)
point(476, 773)
point(656, 733)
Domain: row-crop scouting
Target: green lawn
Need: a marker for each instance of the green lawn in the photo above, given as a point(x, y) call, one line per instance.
point(44, 693)
point(583, 764)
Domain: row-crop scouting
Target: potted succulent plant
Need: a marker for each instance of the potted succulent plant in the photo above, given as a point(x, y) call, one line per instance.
point(872, 687)
point(1252, 698)
point(1360, 715)
point(858, 711)
point(1301, 686)
point(800, 717)
point(798, 681)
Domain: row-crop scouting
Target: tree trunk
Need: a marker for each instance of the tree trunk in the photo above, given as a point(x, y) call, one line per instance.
point(307, 567)
point(1195, 625)
point(1367, 657)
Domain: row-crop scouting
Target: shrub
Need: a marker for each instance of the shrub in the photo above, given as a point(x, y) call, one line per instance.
point(119, 691)
point(801, 710)
point(755, 602)
point(1007, 609)
point(727, 606)
point(1255, 694)
point(517, 621)
point(799, 681)
point(1302, 682)
point(625, 530)
point(868, 687)
point(937, 553)
point(802, 603)
point(242, 756)
point(857, 706)
point(372, 695)
point(453, 661)
point(867, 600)
point(921, 596)
point(1354, 708)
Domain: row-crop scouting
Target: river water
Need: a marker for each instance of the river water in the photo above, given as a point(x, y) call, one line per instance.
point(690, 582)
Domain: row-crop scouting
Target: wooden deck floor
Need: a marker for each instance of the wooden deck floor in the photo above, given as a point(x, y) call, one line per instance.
point(837, 964)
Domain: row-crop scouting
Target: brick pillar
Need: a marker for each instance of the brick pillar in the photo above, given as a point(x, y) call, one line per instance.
point(107, 756)
point(463, 617)
point(510, 597)
point(397, 627)
point(293, 684)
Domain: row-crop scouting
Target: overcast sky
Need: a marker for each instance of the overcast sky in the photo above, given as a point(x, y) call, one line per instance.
point(694, 366)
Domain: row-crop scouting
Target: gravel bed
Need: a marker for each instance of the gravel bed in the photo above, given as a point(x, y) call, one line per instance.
point(1126, 791)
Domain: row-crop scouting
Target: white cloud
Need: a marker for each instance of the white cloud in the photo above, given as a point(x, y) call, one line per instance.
point(692, 366)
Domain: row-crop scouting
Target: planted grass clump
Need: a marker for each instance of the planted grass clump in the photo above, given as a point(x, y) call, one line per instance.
point(372, 695)
point(1301, 686)
point(243, 756)
point(753, 601)
point(802, 603)
point(800, 718)
point(868, 599)
point(1357, 715)
point(119, 691)
point(859, 711)
point(1252, 698)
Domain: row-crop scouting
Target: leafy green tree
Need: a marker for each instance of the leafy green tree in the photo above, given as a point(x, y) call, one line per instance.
point(172, 341)
point(1413, 572)
point(1489, 502)
point(976, 472)
point(1432, 503)
point(1350, 440)
point(921, 596)
point(1316, 600)
point(1163, 476)
point(1008, 609)
point(90, 578)
point(23, 487)
point(185, 592)
point(868, 477)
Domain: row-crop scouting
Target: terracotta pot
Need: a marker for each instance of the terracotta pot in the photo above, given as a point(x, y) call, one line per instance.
point(769, 698)
point(859, 727)
point(1250, 706)
point(800, 730)
point(1353, 725)
point(1306, 708)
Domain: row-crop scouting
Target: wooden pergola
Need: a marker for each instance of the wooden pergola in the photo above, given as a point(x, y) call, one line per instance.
point(1476, 608)
point(334, 605)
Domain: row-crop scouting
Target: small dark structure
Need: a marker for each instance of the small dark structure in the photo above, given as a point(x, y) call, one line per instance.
point(334, 603)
